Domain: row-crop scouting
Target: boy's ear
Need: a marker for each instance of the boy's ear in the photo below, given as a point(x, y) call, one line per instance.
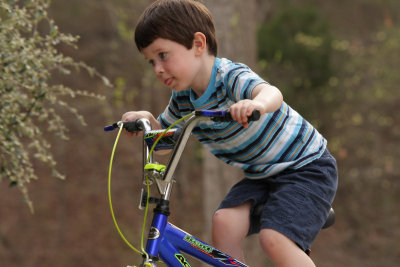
point(199, 43)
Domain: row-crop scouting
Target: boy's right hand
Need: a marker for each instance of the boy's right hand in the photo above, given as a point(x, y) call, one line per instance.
point(134, 115)
point(130, 116)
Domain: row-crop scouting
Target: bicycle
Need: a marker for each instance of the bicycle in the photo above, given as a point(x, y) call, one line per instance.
point(166, 241)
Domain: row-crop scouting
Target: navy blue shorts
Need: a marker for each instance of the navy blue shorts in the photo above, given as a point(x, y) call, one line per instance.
point(297, 201)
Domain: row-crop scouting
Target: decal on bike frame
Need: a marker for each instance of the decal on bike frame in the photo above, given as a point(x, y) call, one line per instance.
point(182, 260)
point(216, 254)
point(154, 233)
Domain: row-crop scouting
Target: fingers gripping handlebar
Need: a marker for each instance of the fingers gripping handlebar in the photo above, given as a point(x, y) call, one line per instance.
point(133, 126)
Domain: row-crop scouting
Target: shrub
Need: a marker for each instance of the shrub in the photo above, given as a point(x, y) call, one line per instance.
point(30, 100)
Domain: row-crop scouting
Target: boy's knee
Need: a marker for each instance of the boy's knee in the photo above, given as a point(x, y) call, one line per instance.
point(220, 220)
point(273, 242)
point(237, 217)
point(232, 222)
point(219, 227)
point(282, 250)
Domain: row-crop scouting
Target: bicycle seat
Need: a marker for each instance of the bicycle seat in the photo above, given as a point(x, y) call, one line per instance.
point(330, 219)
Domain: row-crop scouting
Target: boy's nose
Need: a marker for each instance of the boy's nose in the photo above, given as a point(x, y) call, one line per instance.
point(158, 68)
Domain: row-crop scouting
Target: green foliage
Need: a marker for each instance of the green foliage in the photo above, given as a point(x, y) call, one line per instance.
point(29, 101)
point(298, 38)
point(294, 50)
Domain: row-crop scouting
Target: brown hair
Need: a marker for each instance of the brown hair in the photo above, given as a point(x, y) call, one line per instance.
point(175, 20)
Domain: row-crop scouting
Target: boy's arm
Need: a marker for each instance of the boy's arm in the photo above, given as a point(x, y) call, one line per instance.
point(265, 98)
point(268, 98)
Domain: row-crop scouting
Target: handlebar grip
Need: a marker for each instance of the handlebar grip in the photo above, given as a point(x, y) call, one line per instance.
point(255, 115)
point(130, 126)
point(225, 116)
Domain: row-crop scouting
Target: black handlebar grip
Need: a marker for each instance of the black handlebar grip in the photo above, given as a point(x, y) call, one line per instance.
point(132, 126)
point(255, 116)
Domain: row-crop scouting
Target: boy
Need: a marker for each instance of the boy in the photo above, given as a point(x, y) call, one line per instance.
point(285, 160)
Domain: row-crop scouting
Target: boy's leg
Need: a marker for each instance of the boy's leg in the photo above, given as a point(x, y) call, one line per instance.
point(230, 226)
point(282, 251)
point(296, 211)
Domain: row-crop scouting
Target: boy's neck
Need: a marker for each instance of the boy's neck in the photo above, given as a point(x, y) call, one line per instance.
point(204, 75)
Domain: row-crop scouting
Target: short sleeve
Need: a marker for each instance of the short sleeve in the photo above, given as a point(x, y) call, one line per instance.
point(178, 107)
point(241, 81)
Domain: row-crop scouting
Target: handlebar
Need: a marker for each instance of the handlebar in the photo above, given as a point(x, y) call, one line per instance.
point(217, 116)
point(180, 141)
point(130, 126)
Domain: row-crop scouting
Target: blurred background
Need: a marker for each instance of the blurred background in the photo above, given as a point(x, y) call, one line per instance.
point(336, 62)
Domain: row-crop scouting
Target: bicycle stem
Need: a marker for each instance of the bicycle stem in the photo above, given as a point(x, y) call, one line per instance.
point(180, 146)
point(145, 126)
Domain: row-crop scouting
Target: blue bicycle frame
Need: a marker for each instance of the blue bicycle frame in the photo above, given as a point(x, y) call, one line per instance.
point(166, 241)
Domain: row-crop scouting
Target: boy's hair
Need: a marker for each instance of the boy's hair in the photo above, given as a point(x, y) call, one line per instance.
point(175, 20)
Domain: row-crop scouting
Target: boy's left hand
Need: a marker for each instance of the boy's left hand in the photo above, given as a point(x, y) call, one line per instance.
point(265, 98)
point(241, 110)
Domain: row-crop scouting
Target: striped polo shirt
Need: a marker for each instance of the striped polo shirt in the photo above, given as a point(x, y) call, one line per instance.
point(275, 142)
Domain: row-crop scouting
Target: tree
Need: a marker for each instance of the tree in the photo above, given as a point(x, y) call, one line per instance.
point(31, 103)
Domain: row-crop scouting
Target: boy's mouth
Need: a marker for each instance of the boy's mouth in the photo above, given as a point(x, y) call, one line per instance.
point(168, 82)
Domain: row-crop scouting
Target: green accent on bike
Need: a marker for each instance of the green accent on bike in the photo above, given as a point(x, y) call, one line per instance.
point(182, 260)
point(150, 136)
point(198, 244)
point(111, 206)
point(155, 166)
point(109, 193)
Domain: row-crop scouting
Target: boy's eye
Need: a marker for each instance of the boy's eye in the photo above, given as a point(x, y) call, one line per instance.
point(162, 55)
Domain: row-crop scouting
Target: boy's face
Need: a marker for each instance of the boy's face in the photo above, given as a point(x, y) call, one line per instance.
point(174, 65)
